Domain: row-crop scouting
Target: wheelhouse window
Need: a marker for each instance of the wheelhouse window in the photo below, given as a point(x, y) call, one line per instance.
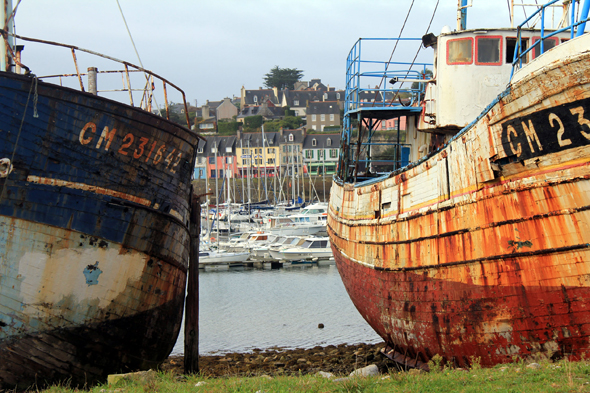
point(548, 43)
point(511, 43)
point(460, 51)
point(488, 50)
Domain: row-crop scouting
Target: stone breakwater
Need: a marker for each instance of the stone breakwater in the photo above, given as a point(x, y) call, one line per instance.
point(339, 360)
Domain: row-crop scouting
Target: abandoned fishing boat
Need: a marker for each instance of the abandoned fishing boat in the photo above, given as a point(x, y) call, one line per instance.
point(469, 237)
point(94, 240)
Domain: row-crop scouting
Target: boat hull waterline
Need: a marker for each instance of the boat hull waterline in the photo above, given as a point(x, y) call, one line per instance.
point(482, 251)
point(94, 235)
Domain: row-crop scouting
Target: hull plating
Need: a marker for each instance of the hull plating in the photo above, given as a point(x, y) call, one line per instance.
point(93, 235)
point(482, 250)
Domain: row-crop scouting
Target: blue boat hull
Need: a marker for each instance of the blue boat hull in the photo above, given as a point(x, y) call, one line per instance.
point(94, 240)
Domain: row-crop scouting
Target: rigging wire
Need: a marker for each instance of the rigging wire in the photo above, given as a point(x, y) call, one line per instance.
point(137, 53)
point(417, 52)
point(20, 129)
point(393, 51)
point(414, 60)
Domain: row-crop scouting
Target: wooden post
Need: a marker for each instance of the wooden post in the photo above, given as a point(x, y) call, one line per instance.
point(191, 311)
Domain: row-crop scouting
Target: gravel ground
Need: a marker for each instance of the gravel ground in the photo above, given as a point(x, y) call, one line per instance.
point(340, 360)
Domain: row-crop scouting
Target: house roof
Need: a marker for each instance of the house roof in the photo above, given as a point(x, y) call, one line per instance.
point(257, 97)
point(266, 111)
point(323, 107)
point(322, 141)
point(298, 136)
point(221, 142)
point(254, 139)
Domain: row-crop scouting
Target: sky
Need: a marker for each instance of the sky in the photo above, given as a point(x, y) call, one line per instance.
point(212, 48)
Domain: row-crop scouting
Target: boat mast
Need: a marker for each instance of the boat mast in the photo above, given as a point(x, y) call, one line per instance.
point(5, 14)
point(228, 210)
point(324, 169)
point(216, 194)
point(293, 173)
point(249, 171)
point(274, 178)
point(242, 172)
point(207, 193)
point(462, 15)
point(264, 161)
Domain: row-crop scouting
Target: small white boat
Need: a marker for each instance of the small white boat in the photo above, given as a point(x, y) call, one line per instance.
point(312, 249)
point(254, 240)
point(292, 241)
point(216, 258)
point(309, 221)
point(262, 253)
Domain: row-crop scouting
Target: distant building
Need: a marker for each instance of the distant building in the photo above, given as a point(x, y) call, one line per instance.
point(257, 157)
point(226, 110)
point(267, 110)
point(321, 114)
point(320, 153)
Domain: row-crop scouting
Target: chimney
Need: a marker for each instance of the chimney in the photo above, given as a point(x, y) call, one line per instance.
point(205, 111)
point(239, 133)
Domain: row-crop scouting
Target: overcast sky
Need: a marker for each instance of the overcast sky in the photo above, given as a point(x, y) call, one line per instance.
point(212, 48)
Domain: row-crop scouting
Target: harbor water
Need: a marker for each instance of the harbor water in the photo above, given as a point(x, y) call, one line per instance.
point(241, 309)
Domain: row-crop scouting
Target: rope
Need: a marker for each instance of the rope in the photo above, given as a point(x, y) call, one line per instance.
point(19, 133)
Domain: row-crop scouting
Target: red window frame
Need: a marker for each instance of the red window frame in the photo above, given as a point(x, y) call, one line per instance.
point(523, 39)
point(534, 40)
point(460, 62)
point(500, 57)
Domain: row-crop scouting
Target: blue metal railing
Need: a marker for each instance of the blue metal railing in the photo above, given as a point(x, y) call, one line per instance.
point(519, 55)
point(377, 90)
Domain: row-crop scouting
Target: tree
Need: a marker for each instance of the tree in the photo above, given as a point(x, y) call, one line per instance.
point(282, 77)
point(427, 74)
point(291, 122)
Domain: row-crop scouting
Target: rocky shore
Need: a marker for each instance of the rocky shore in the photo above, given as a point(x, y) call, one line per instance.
point(338, 360)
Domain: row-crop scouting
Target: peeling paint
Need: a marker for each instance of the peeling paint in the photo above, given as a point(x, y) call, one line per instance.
point(91, 273)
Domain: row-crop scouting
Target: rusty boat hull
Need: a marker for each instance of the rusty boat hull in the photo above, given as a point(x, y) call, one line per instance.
point(481, 251)
point(94, 240)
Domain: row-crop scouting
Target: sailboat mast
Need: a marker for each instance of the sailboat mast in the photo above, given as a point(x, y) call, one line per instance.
point(249, 171)
point(293, 173)
point(207, 192)
point(228, 210)
point(242, 173)
point(216, 193)
point(264, 161)
point(274, 178)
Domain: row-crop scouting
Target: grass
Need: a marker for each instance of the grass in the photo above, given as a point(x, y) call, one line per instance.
point(562, 376)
